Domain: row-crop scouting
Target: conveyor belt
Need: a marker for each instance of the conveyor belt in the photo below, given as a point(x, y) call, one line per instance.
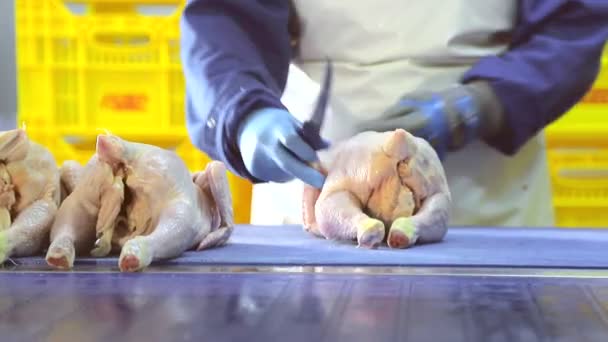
point(281, 284)
point(462, 247)
point(298, 307)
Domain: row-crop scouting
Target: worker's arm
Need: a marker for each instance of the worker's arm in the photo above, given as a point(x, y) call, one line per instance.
point(235, 57)
point(505, 100)
point(552, 63)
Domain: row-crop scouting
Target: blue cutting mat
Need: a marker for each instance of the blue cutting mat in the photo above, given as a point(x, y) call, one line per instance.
point(290, 245)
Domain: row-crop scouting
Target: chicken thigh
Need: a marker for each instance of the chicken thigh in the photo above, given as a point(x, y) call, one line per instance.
point(29, 195)
point(140, 200)
point(387, 186)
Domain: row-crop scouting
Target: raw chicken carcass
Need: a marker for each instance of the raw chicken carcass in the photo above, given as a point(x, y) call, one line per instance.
point(140, 200)
point(378, 185)
point(29, 195)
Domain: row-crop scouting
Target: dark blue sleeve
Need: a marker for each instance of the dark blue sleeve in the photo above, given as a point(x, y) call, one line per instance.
point(553, 61)
point(235, 57)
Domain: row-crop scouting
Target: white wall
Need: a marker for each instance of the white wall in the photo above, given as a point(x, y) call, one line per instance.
point(8, 97)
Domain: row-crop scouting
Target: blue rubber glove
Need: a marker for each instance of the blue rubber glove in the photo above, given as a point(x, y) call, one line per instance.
point(273, 151)
point(448, 120)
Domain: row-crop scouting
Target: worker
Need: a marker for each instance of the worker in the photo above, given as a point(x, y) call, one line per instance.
point(479, 79)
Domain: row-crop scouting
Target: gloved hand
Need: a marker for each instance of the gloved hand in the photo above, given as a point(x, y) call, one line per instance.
point(448, 120)
point(273, 151)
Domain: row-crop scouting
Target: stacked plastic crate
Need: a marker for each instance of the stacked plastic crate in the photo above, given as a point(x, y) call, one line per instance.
point(578, 158)
point(85, 66)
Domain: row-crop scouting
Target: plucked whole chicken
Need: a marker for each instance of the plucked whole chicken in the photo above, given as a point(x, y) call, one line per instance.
point(139, 200)
point(29, 195)
point(388, 186)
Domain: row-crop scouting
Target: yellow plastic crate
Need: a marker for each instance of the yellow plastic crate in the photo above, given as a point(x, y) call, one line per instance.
point(579, 179)
point(578, 159)
point(87, 65)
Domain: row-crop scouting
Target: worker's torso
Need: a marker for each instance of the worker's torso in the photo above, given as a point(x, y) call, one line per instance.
point(386, 48)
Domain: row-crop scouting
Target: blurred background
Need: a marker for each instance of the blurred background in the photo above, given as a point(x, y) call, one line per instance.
point(69, 69)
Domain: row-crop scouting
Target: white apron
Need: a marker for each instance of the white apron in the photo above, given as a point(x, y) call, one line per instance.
point(383, 49)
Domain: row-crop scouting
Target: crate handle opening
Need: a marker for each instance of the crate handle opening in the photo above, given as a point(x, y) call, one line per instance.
point(594, 174)
point(122, 39)
point(157, 10)
point(164, 8)
point(582, 178)
point(77, 8)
